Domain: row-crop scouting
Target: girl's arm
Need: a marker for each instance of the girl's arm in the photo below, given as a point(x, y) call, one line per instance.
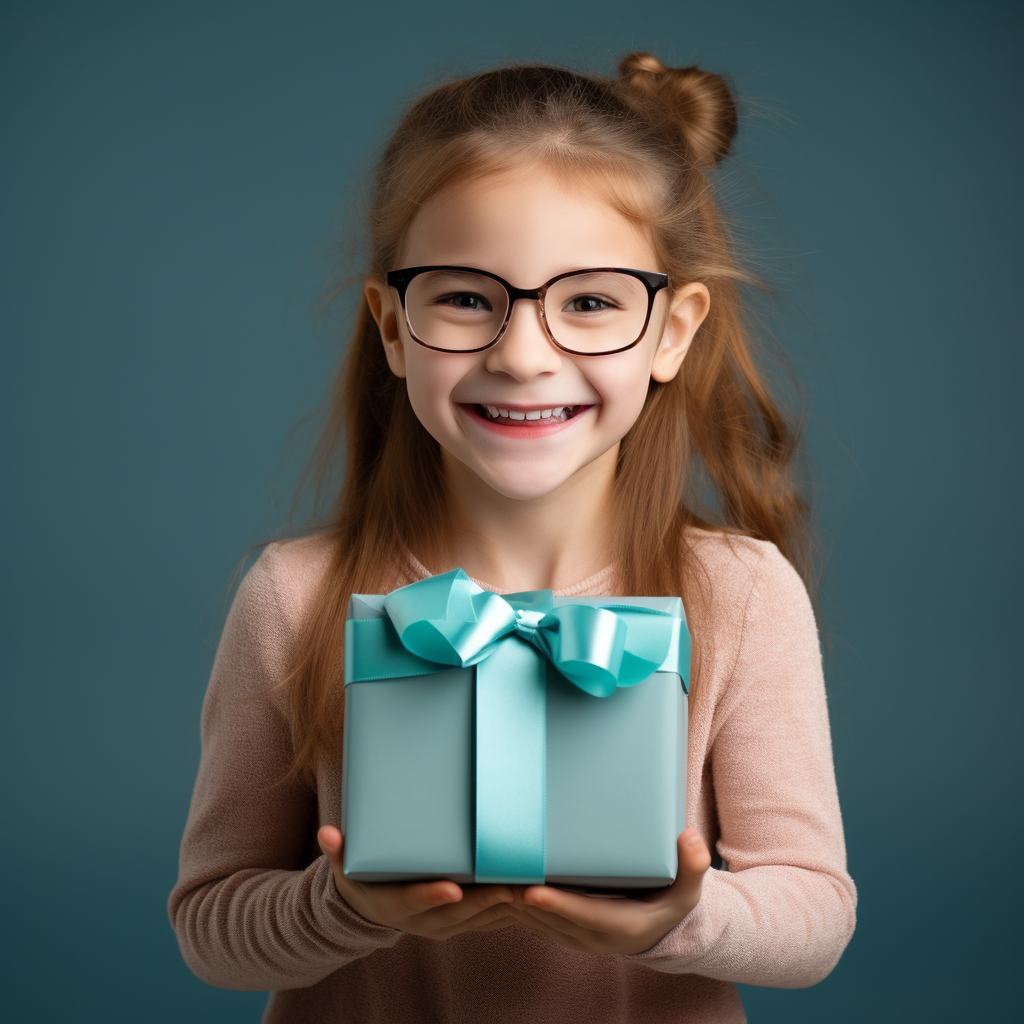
point(249, 914)
point(784, 911)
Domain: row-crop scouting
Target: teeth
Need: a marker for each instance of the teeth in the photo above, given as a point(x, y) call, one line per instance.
point(559, 412)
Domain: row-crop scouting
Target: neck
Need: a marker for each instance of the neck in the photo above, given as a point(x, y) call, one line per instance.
point(547, 543)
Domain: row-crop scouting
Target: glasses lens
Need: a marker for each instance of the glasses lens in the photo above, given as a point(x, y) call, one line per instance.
point(455, 309)
point(597, 311)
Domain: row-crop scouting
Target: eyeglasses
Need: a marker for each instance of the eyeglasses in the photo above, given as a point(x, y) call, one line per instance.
point(593, 312)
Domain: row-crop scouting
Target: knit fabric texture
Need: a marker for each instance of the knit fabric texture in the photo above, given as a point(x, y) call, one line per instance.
point(255, 906)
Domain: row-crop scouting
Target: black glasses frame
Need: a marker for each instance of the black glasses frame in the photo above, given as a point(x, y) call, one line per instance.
point(652, 280)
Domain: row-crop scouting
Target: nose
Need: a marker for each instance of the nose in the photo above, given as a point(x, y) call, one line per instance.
point(524, 351)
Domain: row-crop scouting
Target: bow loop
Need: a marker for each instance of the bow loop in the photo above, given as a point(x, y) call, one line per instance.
point(449, 620)
point(586, 644)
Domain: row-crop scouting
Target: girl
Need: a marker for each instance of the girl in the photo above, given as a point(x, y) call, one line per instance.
point(549, 367)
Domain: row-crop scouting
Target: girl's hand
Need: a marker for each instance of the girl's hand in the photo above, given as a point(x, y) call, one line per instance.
point(596, 925)
point(435, 910)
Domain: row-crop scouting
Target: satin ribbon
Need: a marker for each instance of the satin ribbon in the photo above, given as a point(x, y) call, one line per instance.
point(513, 640)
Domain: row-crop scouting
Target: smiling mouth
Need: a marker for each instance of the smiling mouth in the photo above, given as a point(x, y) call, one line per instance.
point(533, 417)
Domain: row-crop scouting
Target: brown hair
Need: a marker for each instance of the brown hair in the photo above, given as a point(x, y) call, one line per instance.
point(648, 139)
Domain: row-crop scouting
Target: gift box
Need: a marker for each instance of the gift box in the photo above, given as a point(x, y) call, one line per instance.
point(521, 738)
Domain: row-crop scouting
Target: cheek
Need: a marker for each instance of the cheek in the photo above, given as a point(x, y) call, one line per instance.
point(623, 390)
point(430, 380)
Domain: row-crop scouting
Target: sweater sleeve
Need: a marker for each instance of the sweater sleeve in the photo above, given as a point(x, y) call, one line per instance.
point(784, 911)
point(248, 913)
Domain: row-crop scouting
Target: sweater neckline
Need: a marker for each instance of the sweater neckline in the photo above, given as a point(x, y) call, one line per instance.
point(595, 583)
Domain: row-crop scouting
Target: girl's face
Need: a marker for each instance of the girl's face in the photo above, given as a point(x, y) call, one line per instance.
point(527, 226)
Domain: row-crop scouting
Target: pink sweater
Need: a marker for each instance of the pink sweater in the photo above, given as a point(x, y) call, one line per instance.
point(255, 906)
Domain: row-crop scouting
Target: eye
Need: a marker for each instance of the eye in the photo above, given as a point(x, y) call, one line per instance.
point(589, 304)
point(463, 300)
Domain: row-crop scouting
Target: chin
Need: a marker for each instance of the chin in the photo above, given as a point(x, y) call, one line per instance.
point(525, 486)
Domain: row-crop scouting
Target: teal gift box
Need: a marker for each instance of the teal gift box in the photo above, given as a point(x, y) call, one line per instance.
point(521, 738)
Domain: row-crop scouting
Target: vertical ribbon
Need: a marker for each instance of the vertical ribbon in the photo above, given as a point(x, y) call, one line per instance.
point(511, 749)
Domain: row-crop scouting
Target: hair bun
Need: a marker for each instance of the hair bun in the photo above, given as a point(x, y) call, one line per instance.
point(701, 103)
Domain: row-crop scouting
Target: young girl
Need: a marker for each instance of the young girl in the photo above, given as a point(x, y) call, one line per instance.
point(550, 367)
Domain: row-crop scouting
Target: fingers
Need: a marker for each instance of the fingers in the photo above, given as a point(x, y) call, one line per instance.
point(489, 919)
point(482, 899)
point(410, 899)
point(436, 909)
point(575, 915)
point(416, 898)
point(559, 908)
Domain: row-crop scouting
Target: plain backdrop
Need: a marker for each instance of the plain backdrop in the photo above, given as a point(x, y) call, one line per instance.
point(174, 176)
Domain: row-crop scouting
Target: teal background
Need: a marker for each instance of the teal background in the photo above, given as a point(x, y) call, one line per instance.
point(172, 175)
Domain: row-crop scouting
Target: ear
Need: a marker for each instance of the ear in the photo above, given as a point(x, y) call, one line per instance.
point(689, 307)
point(384, 307)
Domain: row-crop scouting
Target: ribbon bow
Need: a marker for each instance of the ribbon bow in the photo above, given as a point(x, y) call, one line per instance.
point(447, 621)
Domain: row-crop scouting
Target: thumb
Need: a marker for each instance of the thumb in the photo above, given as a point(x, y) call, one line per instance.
point(694, 861)
point(332, 842)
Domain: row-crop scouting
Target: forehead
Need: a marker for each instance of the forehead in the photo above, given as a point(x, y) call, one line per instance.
point(525, 223)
